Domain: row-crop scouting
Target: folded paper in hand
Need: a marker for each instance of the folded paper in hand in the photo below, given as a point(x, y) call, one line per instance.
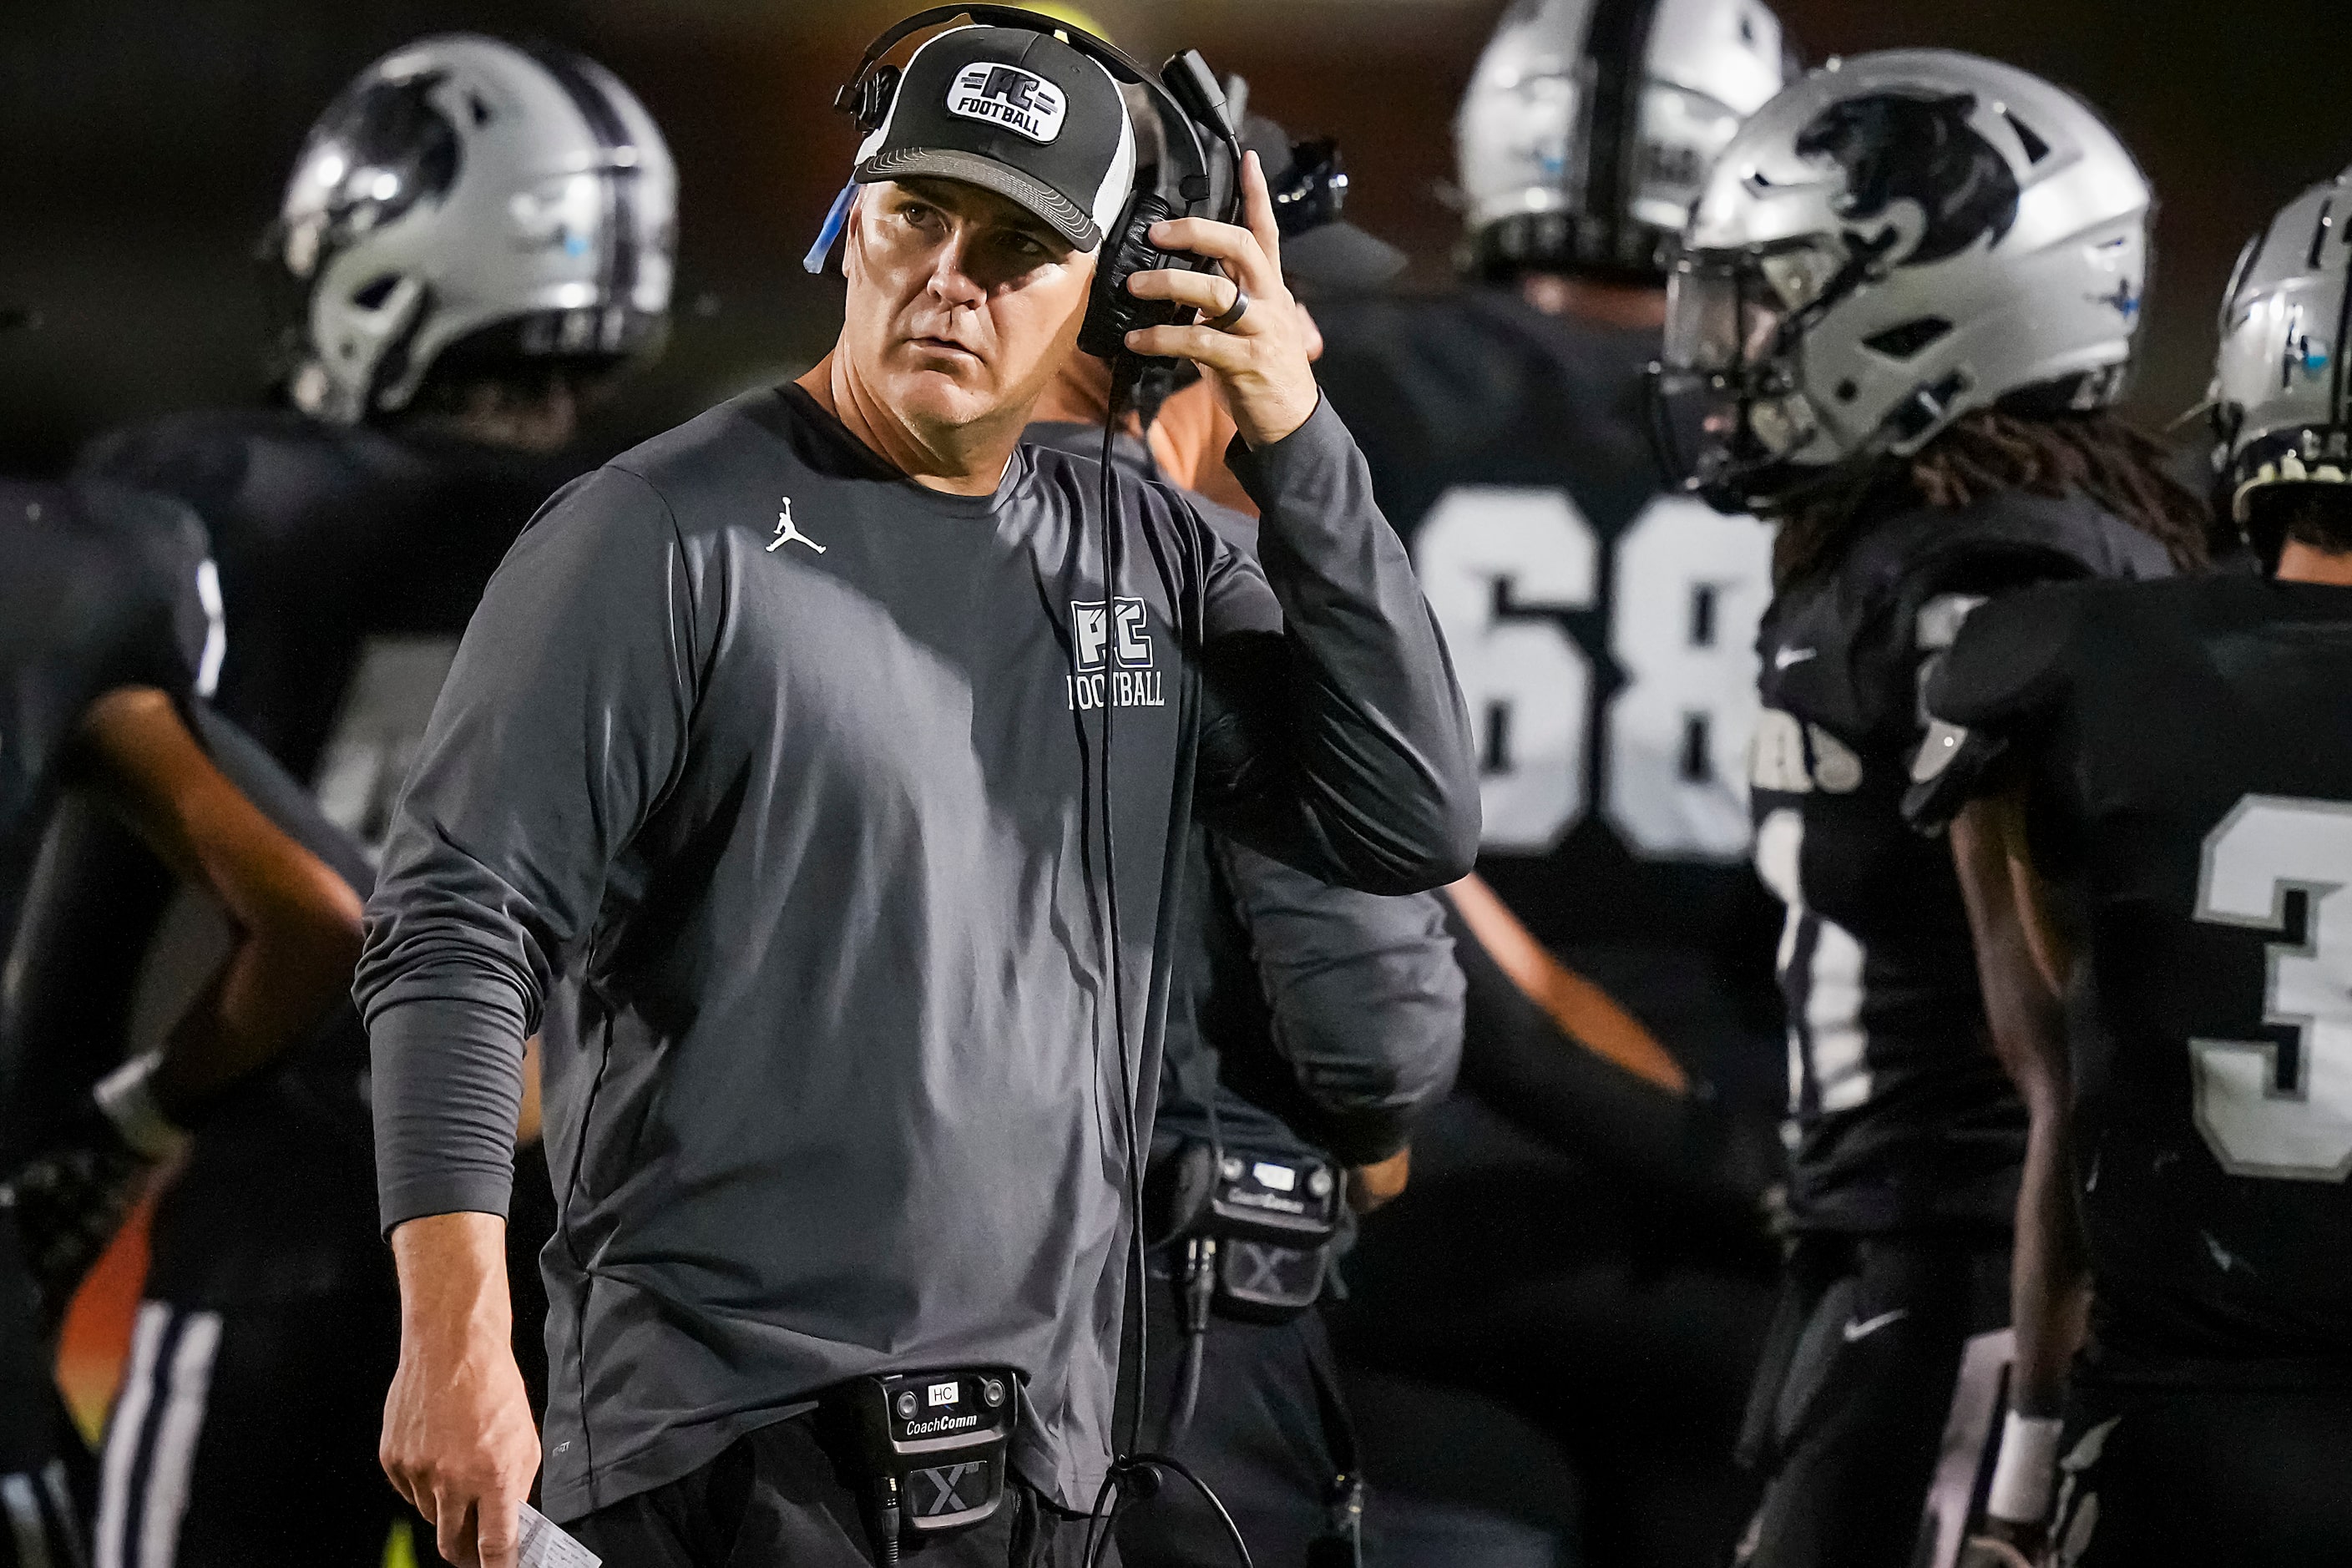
point(544, 1544)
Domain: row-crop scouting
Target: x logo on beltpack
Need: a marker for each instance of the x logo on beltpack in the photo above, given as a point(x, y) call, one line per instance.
point(945, 1485)
point(1267, 1270)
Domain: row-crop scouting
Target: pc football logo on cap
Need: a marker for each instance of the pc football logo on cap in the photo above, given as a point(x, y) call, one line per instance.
point(1009, 95)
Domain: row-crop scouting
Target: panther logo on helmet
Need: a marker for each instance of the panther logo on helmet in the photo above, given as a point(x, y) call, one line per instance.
point(1897, 148)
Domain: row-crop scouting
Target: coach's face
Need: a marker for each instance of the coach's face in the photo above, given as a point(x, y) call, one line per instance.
point(962, 304)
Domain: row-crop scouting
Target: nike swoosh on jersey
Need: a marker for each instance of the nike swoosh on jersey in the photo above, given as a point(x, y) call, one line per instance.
point(1789, 655)
point(1864, 1328)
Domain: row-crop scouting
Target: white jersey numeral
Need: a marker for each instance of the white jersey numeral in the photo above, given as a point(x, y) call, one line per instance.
point(208, 595)
point(1528, 685)
point(1687, 587)
point(1827, 1041)
point(2260, 1116)
point(1691, 585)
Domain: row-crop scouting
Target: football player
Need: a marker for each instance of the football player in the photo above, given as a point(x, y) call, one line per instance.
point(109, 633)
point(81, 978)
point(1600, 1172)
point(477, 240)
point(1908, 299)
point(2162, 835)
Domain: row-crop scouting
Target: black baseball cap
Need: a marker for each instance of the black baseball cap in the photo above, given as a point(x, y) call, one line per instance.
point(1020, 113)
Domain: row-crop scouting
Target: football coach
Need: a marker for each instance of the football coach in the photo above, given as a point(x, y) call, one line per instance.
point(810, 738)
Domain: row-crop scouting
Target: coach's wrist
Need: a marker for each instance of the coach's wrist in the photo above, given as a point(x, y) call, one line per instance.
point(1275, 409)
point(452, 1278)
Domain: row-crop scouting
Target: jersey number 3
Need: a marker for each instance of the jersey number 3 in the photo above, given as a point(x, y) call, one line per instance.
point(1687, 585)
point(2261, 1115)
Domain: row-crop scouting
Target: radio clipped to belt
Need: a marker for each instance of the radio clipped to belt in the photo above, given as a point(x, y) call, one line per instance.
point(1256, 1228)
point(1253, 1236)
point(1273, 1219)
point(932, 1445)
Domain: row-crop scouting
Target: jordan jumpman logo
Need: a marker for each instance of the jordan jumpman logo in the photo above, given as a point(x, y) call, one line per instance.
point(789, 532)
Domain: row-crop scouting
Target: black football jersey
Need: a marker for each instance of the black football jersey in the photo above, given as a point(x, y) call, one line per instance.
point(2189, 749)
point(1604, 633)
point(350, 560)
point(1900, 1116)
point(102, 589)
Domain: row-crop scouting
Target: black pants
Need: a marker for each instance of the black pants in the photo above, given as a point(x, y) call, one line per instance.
point(2250, 1478)
point(247, 1438)
point(1547, 1362)
point(778, 1498)
point(1267, 1434)
point(1852, 1404)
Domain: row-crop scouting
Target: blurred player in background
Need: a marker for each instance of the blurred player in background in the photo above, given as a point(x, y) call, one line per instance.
point(1308, 1025)
point(1908, 298)
point(2162, 833)
point(109, 632)
point(80, 977)
point(479, 238)
point(1553, 1332)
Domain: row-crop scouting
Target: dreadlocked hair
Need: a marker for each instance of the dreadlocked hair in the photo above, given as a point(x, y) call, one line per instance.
point(2095, 455)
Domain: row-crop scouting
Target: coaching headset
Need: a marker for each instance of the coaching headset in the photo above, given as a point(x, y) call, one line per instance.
point(1190, 104)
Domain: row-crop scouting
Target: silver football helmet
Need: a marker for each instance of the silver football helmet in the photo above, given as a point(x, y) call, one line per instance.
point(2278, 397)
point(461, 185)
point(1893, 242)
point(1590, 123)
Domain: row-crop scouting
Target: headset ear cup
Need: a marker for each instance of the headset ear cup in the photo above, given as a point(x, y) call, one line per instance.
point(874, 98)
point(1111, 312)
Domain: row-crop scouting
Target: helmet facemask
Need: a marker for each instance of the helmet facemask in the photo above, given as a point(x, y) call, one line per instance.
point(1729, 416)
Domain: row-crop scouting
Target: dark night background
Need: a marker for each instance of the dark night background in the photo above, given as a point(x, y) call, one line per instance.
point(144, 143)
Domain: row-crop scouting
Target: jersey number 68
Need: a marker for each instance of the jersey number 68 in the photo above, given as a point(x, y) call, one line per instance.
point(1505, 570)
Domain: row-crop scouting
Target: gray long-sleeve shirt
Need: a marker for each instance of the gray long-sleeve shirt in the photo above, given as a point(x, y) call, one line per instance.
point(1304, 1016)
point(821, 834)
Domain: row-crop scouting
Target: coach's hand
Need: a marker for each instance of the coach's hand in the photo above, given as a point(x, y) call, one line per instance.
point(459, 1442)
point(1257, 360)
